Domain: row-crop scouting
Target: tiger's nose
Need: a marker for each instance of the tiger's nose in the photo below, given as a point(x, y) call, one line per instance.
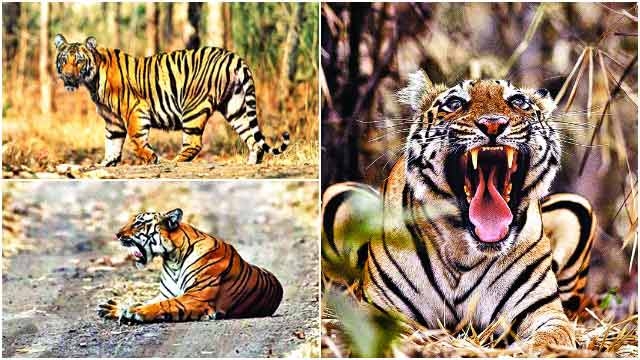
point(492, 125)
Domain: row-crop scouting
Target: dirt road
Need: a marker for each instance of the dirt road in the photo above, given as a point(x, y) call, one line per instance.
point(60, 260)
point(171, 170)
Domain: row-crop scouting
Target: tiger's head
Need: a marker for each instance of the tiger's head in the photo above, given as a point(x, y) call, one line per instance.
point(147, 235)
point(484, 148)
point(76, 62)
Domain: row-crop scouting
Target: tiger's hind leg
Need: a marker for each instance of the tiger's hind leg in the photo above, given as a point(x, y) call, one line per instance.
point(240, 110)
point(192, 137)
point(351, 216)
point(570, 224)
point(241, 115)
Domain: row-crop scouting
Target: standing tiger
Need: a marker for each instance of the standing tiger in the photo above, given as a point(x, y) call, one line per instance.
point(467, 234)
point(202, 278)
point(179, 90)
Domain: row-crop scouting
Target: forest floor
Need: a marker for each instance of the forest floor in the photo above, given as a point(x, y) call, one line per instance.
point(226, 169)
point(57, 147)
point(60, 260)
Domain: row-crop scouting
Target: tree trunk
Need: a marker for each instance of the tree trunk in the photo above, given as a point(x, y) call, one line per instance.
point(10, 15)
point(153, 36)
point(214, 34)
point(21, 55)
point(228, 39)
point(45, 78)
point(167, 25)
point(117, 16)
point(192, 31)
point(289, 59)
point(290, 53)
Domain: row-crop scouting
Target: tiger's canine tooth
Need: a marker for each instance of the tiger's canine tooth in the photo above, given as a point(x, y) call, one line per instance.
point(474, 158)
point(509, 151)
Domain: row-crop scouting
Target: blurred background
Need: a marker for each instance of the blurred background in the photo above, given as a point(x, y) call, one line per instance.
point(60, 259)
point(585, 54)
point(44, 125)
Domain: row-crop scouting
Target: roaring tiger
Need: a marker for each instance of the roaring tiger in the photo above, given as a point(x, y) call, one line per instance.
point(465, 233)
point(179, 90)
point(203, 277)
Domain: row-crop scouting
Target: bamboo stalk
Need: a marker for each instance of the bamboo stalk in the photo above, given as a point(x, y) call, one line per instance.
point(606, 108)
point(524, 44)
point(564, 87)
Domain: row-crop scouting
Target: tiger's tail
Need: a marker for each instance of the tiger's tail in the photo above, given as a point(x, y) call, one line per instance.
point(571, 249)
point(351, 217)
point(241, 113)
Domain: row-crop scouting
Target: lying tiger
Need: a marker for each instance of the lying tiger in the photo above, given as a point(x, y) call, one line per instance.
point(463, 230)
point(179, 90)
point(203, 277)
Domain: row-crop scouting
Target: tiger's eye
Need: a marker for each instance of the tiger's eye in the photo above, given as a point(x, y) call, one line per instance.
point(452, 105)
point(519, 102)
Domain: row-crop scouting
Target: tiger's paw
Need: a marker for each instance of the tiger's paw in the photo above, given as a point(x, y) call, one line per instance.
point(109, 310)
point(148, 156)
point(108, 162)
point(153, 159)
point(125, 315)
point(255, 157)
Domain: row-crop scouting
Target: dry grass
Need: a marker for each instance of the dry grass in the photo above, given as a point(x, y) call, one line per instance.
point(343, 328)
point(74, 133)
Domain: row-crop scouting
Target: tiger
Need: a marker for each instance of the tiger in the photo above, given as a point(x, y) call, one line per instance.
point(203, 277)
point(469, 235)
point(179, 90)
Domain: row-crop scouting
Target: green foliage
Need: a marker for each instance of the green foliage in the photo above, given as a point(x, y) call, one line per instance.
point(260, 30)
point(611, 295)
point(6, 106)
point(369, 332)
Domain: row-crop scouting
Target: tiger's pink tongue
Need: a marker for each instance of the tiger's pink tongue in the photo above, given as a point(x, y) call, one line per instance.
point(488, 212)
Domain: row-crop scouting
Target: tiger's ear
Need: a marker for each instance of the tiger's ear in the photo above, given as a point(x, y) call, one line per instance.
point(421, 92)
point(172, 219)
point(59, 40)
point(413, 94)
point(542, 98)
point(91, 43)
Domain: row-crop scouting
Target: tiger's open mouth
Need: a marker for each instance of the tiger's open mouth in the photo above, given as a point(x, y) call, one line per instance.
point(135, 250)
point(70, 84)
point(487, 181)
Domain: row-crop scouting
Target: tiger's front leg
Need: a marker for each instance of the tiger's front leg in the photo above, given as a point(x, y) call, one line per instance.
point(115, 134)
point(182, 308)
point(138, 128)
point(541, 326)
point(113, 148)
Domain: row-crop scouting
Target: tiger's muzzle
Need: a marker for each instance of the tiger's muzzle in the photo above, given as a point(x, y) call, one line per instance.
point(71, 83)
point(134, 248)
